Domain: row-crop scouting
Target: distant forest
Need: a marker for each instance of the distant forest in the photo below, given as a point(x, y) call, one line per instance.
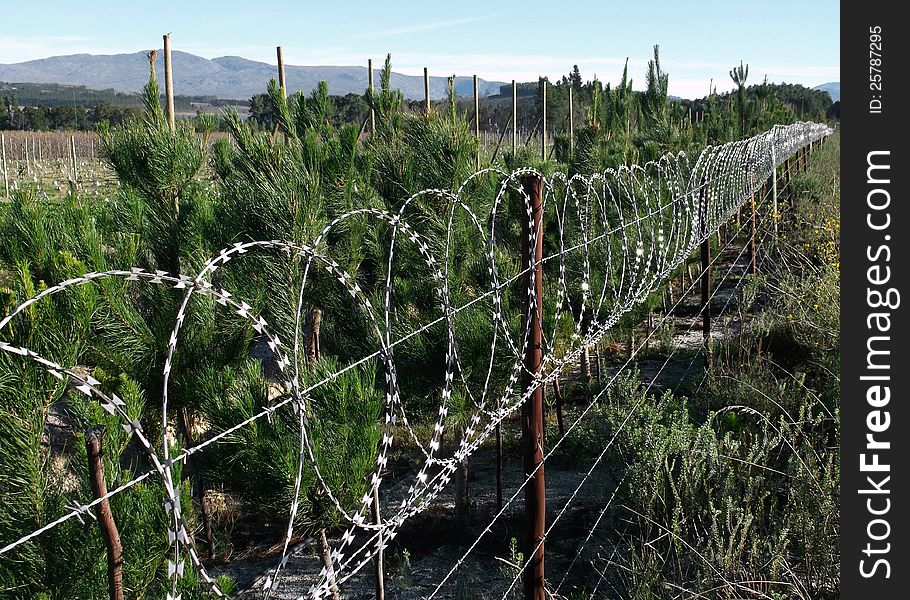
point(51, 107)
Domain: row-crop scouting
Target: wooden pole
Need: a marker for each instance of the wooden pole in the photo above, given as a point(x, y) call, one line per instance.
point(327, 563)
point(28, 164)
point(73, 156)
point(532, 410)
point(94, 438)
point(477, 119)
point(5, 168)
point(543, 120)
point(281, 80)
point(426, 90)
point(514, 117)
point(372, 90)
point(571, 122)
point(168, 81)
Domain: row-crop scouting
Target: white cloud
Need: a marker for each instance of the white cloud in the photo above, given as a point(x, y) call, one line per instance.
point(421, 27)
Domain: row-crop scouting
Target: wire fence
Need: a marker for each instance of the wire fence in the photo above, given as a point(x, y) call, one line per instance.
point(619, 237)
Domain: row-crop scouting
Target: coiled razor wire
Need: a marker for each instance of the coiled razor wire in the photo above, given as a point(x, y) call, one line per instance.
point(631, 226)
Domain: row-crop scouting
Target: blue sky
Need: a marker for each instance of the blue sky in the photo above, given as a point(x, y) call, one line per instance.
point(797, 41)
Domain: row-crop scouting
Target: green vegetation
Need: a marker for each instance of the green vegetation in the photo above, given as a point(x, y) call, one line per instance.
point(49, 107)
point(53, 106)
point(730, 489)
point(180, 200)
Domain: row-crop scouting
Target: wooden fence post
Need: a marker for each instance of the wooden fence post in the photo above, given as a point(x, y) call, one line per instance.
point(73, 156)
point(426, 91)
point(281, 80)
point(5, 168)
point(514, 117)
point(168, 81)
point(94, 437)
point(532, 410)
point(372, 91)
point(571, 122)
point(477, 119)
point(543, 120)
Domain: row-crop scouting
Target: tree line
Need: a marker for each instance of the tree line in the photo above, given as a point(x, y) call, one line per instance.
point(26, 107)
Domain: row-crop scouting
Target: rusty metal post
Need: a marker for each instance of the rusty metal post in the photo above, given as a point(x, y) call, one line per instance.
point(532, 409)
point(753, 254)
point(705, 252)
point(498, 466)
point(775, 214)
point(379, 560)
point(791, 198)
point(753, 250)
point(94, 437)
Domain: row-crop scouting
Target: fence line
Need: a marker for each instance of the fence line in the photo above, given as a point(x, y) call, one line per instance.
point(621, 233)
point(601, 456)
point(571, 427)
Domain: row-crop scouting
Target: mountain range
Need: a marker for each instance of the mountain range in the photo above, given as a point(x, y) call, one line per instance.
point(833, 89)
point(230, 77)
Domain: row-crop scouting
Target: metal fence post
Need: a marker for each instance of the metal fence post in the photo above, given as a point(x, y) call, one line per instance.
point(705, 252)
point(532, 409)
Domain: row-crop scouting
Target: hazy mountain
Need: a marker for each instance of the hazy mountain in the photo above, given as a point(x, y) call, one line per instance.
point(224, 77)
point(833, 89)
